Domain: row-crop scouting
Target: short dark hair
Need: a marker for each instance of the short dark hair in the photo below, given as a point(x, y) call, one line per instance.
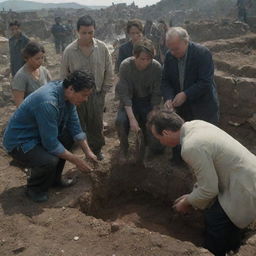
point(86, 20)
point(134, 23)
point(144, 45)
point(31, 49)
point(14, 23)
point(165, 120)
point(80, 80)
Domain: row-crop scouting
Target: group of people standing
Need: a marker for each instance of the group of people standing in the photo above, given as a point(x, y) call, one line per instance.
point(48, 121)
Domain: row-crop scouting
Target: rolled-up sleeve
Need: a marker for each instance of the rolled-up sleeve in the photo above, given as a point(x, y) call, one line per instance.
point(74, 127)
point(200, 160)
point(46, 115)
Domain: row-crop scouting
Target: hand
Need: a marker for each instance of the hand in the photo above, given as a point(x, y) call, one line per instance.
point(82, 165)
point(168, 104)
point(179, 99)
point(134, 125)
point(91, 156)
point(182, 205)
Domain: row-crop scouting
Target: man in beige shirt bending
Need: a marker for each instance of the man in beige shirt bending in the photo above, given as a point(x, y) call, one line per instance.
point(90, 54)
point(226, 177)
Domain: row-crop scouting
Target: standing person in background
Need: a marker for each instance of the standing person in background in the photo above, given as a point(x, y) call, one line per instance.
point(58, 32)
point(188, 80)
point(242, 6)
point(69, 35)
point(90, 54)
point(32, 75)
point(16, 43)
point(134, 29)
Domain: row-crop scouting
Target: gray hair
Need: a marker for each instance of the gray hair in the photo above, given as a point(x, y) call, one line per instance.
point(177, 32)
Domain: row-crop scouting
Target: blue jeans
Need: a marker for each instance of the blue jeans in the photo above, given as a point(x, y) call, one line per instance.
point(46, 169)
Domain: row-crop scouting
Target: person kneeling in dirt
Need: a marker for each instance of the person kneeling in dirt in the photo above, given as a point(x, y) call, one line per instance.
point(226, 177)
point(43, 129)
point(139, 92)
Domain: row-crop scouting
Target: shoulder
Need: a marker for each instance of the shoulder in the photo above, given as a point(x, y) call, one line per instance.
point(71, 47)
point(21, 74)
point(100, 43)
point(127, 62)
point(125, 45)
point(198, 48)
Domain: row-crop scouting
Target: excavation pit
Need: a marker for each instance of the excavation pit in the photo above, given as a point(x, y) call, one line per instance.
point(142, 198)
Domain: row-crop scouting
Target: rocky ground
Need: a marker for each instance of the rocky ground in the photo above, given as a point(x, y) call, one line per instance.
point(126, 209)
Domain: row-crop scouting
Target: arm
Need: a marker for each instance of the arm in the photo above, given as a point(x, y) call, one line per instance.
point(64, 69)
point(109, 75)
point(18, 88)
point(166, 88)
point(156, 93)
point(18, 97)
point(133, 121)
point(200, 160)
point(48, 130)
point(205, 76)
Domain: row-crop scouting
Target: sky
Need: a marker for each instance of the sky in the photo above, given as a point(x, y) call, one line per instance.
point(140, 3)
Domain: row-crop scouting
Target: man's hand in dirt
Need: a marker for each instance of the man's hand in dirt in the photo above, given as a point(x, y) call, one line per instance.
point(91, 156)
point(179, 99)
point(182, 205)
point(82, 165)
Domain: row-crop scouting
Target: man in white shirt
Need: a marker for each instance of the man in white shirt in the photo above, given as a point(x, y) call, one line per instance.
point(226, 177)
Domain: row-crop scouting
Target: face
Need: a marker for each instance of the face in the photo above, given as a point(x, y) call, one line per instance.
point(177, 47)
point(135, 34)
point(143, 61)
point(15, 30)
point(36, 61)
point(86, 33)
point(166, 138)
point(77, 98)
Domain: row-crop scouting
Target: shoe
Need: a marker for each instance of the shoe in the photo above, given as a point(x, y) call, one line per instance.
point(38, 197)
point(65, 183)
point(100, 156)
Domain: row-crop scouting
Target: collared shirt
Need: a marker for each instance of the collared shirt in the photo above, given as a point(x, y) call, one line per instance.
point(25, 82)
point(135, 83)
point(223, 167)
point(16, 44)
point(182, 66)
point(40, 119)
point(99, 63)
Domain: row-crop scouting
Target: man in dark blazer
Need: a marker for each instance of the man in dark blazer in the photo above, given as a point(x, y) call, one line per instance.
point(188, 79)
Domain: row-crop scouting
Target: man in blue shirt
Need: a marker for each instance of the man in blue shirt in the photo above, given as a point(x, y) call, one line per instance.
point(43, 129)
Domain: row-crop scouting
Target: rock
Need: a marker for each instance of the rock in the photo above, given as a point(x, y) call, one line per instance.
point(115, 227)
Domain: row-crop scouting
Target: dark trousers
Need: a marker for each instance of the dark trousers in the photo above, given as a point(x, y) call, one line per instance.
point(141, 107)
point(59, 44)
point(46, 169)
point(221, 235)
point(91, 119)
point(242, 14)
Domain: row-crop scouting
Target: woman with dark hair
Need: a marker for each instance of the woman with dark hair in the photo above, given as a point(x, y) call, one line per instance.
point(134, 30)
point(32, 74)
